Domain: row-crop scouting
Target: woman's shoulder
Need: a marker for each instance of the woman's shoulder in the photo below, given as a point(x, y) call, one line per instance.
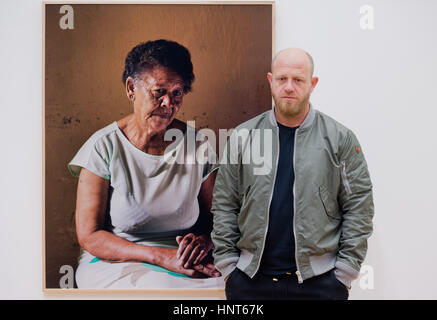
point(96, 153)
point(104, 134)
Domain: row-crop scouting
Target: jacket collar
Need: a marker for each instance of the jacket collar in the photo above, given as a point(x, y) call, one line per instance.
point(305, 124)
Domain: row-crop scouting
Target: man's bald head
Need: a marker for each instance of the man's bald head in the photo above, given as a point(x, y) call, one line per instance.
point(294, 55)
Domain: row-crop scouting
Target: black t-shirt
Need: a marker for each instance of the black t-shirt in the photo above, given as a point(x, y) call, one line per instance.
point(279, 251)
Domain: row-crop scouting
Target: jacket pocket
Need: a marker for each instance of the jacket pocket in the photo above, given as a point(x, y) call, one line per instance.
point(329, 205)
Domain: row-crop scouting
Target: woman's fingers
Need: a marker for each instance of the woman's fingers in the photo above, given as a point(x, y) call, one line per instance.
point(212, 269)
point(192, 249)
point(188, 250)
point(178, 239)
point(183, 243)
point(207, 269)
point(193, 256)
point(180, 248)
point(200, 257)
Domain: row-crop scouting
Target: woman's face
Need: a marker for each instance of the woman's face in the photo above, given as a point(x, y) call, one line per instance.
point(158, 97)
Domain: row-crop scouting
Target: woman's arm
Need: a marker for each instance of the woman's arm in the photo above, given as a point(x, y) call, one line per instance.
point(92, 196)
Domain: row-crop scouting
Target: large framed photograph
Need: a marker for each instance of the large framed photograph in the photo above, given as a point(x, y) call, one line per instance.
point(116, 76)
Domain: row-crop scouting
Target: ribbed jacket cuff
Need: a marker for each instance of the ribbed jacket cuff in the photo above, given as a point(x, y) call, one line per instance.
point(345, 274)
point(226, 266)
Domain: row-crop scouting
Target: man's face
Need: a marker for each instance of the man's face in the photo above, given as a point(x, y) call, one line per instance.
point(291, 84)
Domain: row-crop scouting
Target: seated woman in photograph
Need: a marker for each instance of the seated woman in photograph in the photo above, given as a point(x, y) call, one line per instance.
point(142, 210)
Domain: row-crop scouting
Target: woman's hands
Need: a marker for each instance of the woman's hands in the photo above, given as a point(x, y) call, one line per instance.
point(194, 252)
point(193, 249)
point(168, 259)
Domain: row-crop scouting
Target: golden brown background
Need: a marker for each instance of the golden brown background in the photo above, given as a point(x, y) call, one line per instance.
point(231, 50)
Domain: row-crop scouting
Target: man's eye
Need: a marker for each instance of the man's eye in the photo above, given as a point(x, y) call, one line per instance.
point(177, 93)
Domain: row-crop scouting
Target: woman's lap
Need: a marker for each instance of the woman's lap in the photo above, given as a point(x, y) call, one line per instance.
point(93, 273)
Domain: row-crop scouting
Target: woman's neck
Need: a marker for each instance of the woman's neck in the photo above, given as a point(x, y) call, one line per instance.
point(143, 137)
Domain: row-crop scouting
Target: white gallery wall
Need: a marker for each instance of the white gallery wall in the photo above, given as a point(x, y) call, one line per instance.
point(380, 82)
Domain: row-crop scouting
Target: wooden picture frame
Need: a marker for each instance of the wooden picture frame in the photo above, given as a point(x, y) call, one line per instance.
point(231, 44)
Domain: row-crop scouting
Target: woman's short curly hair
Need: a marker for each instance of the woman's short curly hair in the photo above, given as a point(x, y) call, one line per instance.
point(147, 55)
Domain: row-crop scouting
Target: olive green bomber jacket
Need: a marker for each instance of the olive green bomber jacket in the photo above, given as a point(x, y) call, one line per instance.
point(333, 202)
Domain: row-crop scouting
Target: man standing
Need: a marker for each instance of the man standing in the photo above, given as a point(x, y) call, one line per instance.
point(300, 229)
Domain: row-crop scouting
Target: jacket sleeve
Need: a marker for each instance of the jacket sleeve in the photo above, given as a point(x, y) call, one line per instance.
point(225, 208)
point(356, 203)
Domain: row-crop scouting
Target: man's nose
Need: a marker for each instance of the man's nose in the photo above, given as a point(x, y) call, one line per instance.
point(289, 86)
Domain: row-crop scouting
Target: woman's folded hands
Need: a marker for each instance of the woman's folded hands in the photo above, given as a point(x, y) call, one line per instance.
point(195, 252)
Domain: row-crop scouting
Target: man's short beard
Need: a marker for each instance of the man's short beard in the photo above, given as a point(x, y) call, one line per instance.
point(293, 108)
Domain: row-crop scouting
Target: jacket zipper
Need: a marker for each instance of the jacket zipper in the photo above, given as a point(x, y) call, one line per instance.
point(346, 184)
point(298, 274)
point(270, 203)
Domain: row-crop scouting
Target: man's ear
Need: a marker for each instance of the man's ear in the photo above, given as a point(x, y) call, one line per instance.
point(314, 82)
point(270, 77)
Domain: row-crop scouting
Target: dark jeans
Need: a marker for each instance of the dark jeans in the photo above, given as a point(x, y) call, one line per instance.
point(239, 286)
